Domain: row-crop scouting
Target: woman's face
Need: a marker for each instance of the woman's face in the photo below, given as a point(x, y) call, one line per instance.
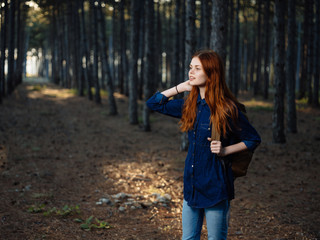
point(197, 75)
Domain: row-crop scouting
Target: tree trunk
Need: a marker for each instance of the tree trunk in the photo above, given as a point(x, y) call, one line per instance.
point(219, 28)
point(95, 76)
point(231, 46)
point(4, 16)
point(182, 41)
point(205, 24)
point(123, 57)
point(290, 65)
point(142, 47)
point(105, 63)
point(150, 73)
point(158, 43)
point(190, 49)
point(266, 49)
point(306, 25)
point(134, 50)
point(237, 60)
point(11, 47)
point(315, 97)
point(176, 50)
point(257, 84)
point(86, 69)
point(310, 52)
point(245, 50)
point(278, 114)
point(114, 43)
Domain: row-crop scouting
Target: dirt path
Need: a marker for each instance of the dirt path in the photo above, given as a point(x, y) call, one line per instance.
point(59, 152)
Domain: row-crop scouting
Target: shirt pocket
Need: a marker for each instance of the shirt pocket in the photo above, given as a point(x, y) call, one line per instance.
point(204, 131)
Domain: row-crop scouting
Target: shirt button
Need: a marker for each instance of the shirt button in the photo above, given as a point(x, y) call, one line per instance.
point(192, 166)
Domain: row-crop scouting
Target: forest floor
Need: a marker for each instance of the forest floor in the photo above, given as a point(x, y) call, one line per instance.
point(63, 159)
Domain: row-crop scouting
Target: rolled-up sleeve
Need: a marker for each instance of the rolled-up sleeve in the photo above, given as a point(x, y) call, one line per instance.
point(247, 133)
point(160, 103)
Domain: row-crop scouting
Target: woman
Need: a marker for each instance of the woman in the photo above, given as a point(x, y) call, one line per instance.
point(208, 181)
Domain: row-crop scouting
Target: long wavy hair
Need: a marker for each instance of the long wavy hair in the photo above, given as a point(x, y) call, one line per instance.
point(221, 101)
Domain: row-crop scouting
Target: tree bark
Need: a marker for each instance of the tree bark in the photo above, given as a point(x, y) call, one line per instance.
point(290, 65)
point(150, 73)
point(231, 47)
point(278, 114)
point(95, 76)
point(219, 28)
point(315, 97)
point(122, 64)
point(11, 47)
point(257, 84)
point(190, 49)
point(306, 25)
point(310, 52)
point(266, 49)
point(105, 63)
point(236, 60)
point(176, 50)
point(86, 69)
point(134, 50)
point(182, 41)
point(4, 16)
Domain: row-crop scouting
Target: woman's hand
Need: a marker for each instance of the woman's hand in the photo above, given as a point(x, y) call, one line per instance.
point(184, 87)
point(216, 147)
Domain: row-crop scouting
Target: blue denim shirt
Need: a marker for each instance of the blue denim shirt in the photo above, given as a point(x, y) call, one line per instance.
point(206, 183)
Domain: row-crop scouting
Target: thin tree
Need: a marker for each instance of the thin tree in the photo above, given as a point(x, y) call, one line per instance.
point(306, 25)
point(236, 59)
point(85, 48)
point(182, 48)
point(278, 113)
point(105, 64)
point(4, 16)
point(257, 84)
point(11, 47)
point(266, 48)
point(190, 49)
point(134, 50)
point(176, 49)
point(231, 45)
point(310, 52)
point(315, 97)
point(94, 27)
point(150, 73)
point(290, 64)
point(123, 57)
point(219, 28)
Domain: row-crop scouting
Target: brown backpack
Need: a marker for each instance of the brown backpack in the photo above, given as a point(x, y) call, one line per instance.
point(239, 161)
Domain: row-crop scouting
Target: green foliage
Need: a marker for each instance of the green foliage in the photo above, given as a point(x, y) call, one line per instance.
point(89, 224)
point(36, 208)
point(65, 211)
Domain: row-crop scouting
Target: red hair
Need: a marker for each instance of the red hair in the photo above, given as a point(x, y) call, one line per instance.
point(221, 101)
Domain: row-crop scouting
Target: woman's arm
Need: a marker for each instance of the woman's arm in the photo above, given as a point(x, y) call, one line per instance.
point(180, 88)
point(216, 147)
point(160, 102)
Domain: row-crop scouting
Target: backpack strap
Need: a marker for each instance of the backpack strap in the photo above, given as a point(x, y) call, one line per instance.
point(214, 134)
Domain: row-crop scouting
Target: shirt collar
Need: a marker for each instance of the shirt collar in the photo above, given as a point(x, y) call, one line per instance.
point(202, 101)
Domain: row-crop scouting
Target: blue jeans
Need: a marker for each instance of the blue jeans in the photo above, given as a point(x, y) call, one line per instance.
point(216, 217)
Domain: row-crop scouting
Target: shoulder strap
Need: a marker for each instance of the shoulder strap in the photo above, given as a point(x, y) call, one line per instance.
point(214, 134)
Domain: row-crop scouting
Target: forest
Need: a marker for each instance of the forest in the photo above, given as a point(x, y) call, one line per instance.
point(82, 156)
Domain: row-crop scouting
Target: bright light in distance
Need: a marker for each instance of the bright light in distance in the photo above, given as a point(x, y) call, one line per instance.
point(32, 4)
